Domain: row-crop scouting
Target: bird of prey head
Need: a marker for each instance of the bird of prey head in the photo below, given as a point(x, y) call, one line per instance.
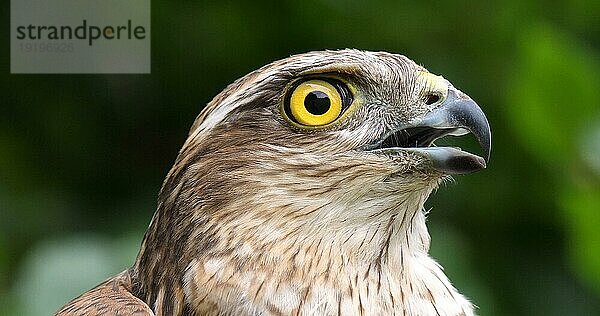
point(300, 190)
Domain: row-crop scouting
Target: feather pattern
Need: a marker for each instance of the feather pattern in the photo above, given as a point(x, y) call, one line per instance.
point(257, 217)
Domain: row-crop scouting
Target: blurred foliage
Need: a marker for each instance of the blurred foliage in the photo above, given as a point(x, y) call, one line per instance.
point(83, 156)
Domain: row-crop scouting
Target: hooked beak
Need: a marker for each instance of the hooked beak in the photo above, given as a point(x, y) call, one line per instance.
point(457, 115)
point(460, 112)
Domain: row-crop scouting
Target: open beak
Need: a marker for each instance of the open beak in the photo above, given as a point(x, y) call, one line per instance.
point(457, 115)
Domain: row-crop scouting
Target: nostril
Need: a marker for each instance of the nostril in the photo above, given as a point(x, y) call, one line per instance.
point(431, 99)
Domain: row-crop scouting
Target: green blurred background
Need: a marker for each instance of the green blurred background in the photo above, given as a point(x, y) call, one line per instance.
point(82, 157)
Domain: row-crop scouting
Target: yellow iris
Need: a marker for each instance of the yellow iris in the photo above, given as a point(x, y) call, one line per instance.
point(315, 103)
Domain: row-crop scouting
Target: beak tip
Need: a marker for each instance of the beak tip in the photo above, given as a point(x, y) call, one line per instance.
point(479, 163)
point(484, 135)
point(488, 144)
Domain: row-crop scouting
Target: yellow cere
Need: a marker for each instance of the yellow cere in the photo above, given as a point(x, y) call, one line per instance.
point(306, 93)
point(433, 83)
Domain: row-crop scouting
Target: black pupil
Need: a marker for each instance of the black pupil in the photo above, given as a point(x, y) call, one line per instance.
point(317, 102)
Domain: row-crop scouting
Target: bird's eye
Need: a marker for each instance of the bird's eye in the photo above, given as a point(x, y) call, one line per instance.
point(316, 102)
